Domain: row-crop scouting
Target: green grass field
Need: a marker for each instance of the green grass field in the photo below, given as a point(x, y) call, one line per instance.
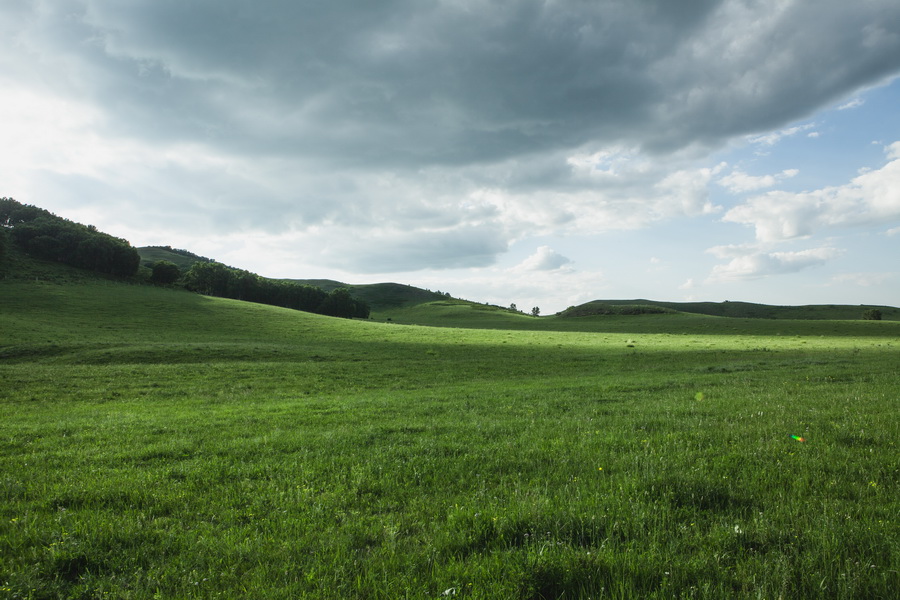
point(160, 444)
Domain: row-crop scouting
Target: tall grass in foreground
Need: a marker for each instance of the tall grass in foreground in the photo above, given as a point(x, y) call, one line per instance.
point(169, 446)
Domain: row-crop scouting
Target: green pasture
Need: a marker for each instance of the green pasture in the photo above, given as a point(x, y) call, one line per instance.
point(464, 314)
point(159, 444)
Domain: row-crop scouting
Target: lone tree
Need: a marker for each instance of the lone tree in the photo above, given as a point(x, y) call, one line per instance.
point(873, 314)
point(536, 311)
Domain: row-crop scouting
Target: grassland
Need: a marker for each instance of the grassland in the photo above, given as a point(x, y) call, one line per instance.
point(160, 444)
point(464, 314)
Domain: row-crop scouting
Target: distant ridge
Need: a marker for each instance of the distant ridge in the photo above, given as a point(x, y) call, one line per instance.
point(380, 296)
point(395, 296)
point(740, 310)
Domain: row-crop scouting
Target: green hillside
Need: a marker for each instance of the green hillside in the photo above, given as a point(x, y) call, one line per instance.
point(323, 284)
point(462, 314)
point(399, 302)
point(742, 310)
point(380, 296)
point(159, 444)
point(183, 259)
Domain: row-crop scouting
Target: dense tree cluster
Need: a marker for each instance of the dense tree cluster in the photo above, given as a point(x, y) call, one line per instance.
point(3, 237)
point(42, 234)
point(216, 279)
point(599, 308)
point(164, 272)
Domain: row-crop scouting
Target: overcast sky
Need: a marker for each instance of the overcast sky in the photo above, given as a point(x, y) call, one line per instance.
point(542, 152)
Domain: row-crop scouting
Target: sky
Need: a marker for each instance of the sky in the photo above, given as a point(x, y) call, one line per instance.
point(538, 152)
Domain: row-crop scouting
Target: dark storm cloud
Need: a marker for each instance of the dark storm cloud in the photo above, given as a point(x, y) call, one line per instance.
point(408, 83)
point(391, 115)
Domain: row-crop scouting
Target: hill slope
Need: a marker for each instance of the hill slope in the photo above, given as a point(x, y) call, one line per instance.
point(382, 296)
point(43, 288)
point(378, 296)
point(182, 258)
point(393, 301)
point(741, 310)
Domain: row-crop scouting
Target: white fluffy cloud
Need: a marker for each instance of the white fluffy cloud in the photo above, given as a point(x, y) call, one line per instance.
point(551, 290)
point(773, 137)
point(737, 181)
point(749, 263)
point(855, 103)
point(544, 259)
point(870, 198)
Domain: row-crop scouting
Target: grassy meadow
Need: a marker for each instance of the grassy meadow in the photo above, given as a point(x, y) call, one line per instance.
point(160, 444)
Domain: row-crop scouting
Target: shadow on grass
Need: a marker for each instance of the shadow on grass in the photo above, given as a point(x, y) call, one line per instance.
point(703, 496)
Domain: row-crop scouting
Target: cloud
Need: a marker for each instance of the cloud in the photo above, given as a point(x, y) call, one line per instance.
point(392, 250)
point(551, 290)
point(863, 279)
point(893, 151)
point(748, 263)
point(870, 198)
point(439, 131)
point(408, 83)
point(544, 259)
point(772, 138)
point(855, 103)
point(737, 181)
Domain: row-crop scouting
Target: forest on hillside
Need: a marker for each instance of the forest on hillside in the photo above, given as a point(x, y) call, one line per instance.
point(41, 234)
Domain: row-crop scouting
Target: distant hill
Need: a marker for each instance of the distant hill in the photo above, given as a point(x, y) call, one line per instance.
point(380, 296)
point(635, 307)
point(388, 298)
point(182, 258)
point(323, 284)
point(391, 301)
point(739, 310)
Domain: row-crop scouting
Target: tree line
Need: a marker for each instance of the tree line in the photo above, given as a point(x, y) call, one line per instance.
point(216, 279)
point(42, 234)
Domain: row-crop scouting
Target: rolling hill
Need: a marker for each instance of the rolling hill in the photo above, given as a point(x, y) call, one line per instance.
point(740, 310)
point(405, 303)
point(379, 296)
point(162, 444)
point(183, 259)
